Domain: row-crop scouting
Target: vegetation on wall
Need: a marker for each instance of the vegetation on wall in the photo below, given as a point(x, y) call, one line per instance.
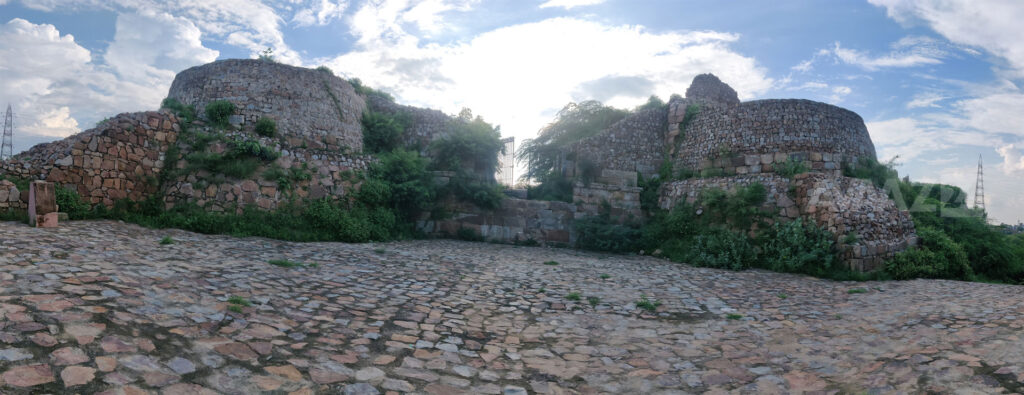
point(219, 111)
point(266, 127)
point(545, 156)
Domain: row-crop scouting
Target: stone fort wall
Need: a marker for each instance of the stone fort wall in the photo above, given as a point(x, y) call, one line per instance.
point(634, 144)
point(312, 108)
point(120, 158)
point(842, 205)
point(753, 137)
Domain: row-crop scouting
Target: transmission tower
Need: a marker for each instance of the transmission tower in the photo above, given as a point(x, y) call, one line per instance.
point(7, 148)
point(979, 188)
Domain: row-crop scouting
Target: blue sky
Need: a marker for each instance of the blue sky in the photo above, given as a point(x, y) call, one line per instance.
point(938, 82)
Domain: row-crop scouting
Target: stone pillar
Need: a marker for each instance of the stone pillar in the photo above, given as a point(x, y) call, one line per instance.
point(42, 204)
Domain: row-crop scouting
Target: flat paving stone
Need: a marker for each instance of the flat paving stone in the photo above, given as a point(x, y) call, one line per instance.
point(102, 306)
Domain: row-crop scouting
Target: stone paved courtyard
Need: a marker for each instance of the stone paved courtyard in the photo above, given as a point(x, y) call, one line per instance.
point(102, 306)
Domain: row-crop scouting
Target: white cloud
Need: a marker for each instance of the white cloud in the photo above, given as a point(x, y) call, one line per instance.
point(896, 59)
point(839, 92)
point(925, 100)
point(250, 24)
point(519, 76)
point(56, 86)
point(1013, 161)
point(995, 113)
point(993, 25)
point(569, 4)
point(152, 47)
point(320, 13)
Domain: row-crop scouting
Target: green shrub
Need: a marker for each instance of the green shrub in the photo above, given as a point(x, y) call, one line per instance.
point(218, 111)
point(552, 187)
point(187, 113)
point(791, 167)
point(798, 247)
point(601, 233)
point(383, 132)
point(468, 234)
point(483, 194)
point(937, 256)
point(471, 145)
point(266, 127)
point(166, 240)
point(723, 249)
point(69, 202)
point(411, 185)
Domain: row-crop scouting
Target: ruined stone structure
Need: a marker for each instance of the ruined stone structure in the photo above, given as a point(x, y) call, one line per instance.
point(319, 131)
point(312, 108)
point(119, 158)
point(634, 144)
point(753, 137)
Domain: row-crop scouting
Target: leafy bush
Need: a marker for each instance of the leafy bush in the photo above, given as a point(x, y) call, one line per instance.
point(468, 234)
point(69, 202)
point(722, 248)
point(187, 113)
point(470, 145)
point(368, 91)
point(553, 187)
point(601, 233)
point(870, 169)
point(740, 209)
point(791, 167)
point(483, 194)
point(266, 127)
point(383, 132)
point(546, 154)
point(218, 111)
point(798, 247)
point(411, 185)
point(653, 103)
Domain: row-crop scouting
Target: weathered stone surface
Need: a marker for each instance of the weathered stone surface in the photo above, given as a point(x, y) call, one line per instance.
point(77, 375)
point(707, 87)
point(28, 375)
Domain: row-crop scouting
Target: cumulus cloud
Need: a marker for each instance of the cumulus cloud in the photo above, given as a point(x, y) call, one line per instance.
point(519, 76)
point(569, 4)
point(151, 47)
point(249, 24)
point(320, 13)
point(993, 26)
point(1013, 161)
point(58, 87)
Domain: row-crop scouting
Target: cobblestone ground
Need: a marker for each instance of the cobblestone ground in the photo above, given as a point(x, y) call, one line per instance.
point(102, 306)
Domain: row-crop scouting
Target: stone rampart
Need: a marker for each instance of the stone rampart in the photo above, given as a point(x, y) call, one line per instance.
point(516, 221)
point(120, 158)
point(846, 206)
point(312, 108)
point(11, 198)
point(332, 176)
point(424, 126)
point(755, 136)
point(635, 144)
point(841, 205)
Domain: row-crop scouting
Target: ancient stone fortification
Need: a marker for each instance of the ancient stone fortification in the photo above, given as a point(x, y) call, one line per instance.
point(424, 125)
point(755, 136)
point(312, 108)
point(120, 158)
point(319, 131)
point(843, 205)
point(636, 143)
